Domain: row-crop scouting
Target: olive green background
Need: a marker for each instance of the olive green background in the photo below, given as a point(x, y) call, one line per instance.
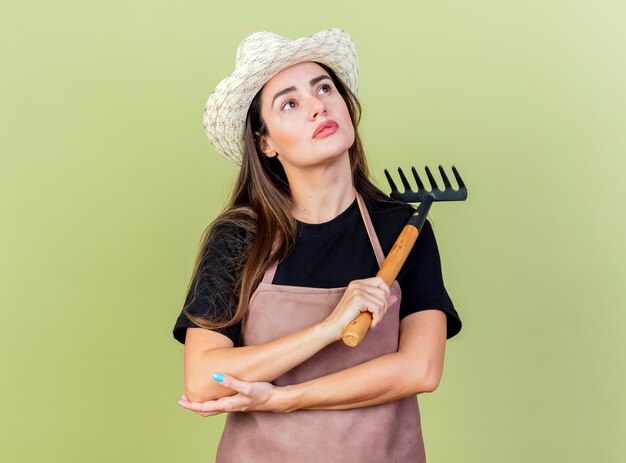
point(107, 182)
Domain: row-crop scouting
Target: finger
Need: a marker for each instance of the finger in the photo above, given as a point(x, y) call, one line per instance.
point(370, 283)
point(221, 405)
point(186, 399)
point(375, 306)
point(376, 318)
point(382, 292)
point(369, 295)
point(371, 303)
point(200, 407)
point(235, 403)
point(233, 383)
point(205, 414)
point(382, 284)
point(391, 300)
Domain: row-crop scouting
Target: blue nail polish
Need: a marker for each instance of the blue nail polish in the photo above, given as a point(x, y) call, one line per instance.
point(218, 377)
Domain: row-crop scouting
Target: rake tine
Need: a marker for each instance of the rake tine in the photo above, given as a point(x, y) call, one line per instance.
point(418, 180)
point(446, 182)
point(409, 195)
point(431, 179)
point(391, 182)
point(405, 182)
point(459, 180)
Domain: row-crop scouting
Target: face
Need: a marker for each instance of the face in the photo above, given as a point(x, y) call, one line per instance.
point(295, 104)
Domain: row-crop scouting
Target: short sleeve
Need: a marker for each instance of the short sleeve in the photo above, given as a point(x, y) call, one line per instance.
point(421, 281)
point(214, 289)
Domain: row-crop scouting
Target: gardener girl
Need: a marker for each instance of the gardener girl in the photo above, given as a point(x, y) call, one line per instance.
point(289, 264)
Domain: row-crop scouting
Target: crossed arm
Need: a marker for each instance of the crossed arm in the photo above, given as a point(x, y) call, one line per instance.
point(416, 367)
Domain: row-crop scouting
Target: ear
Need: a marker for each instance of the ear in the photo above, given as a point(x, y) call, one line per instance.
point(265, 145)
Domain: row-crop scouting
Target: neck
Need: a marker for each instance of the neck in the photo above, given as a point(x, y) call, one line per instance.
point(321, 193)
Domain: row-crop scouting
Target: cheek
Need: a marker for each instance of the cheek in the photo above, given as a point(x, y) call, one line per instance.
point(348, 124)
point(285, 135)
point(345, 114)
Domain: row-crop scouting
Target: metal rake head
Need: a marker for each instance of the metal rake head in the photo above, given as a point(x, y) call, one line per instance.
point(410, 196)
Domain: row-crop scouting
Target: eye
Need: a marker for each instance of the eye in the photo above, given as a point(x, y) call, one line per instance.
point(326, 87)
point(287, 105)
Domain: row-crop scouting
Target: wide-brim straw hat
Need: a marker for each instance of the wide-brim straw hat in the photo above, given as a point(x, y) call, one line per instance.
point(259, 57)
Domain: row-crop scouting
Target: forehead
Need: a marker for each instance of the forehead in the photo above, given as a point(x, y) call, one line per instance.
point(292, 76)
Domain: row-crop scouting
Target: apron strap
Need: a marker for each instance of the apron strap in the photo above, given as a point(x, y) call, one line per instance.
point(268, 277)
point(380, 256)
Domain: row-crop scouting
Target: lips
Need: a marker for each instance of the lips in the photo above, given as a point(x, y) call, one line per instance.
point(325, 128)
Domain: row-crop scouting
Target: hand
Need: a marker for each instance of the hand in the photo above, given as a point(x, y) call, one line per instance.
point(367, 295)
point(251, 396)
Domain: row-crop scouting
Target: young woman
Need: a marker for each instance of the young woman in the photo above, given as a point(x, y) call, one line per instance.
point(290, 262)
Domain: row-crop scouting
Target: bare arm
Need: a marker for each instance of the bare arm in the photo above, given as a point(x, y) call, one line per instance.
point(207, 352)
point(416, 367)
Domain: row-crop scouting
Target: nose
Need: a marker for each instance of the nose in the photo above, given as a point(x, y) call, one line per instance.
point(317, 107)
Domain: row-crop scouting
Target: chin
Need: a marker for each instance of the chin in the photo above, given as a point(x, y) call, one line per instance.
point(339, 147)
point(334, 156)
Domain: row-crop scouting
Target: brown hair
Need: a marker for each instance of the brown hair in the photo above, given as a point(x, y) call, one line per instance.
point(260, 209)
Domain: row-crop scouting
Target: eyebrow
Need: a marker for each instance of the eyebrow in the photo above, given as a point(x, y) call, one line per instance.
point(291, 89)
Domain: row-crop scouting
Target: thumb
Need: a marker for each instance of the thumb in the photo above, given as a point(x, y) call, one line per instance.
point(233, 383)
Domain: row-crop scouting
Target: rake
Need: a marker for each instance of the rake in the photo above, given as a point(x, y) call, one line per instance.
point(356, 330)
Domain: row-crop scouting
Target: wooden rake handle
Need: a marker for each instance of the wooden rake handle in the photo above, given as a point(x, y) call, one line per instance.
point(356, 330)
